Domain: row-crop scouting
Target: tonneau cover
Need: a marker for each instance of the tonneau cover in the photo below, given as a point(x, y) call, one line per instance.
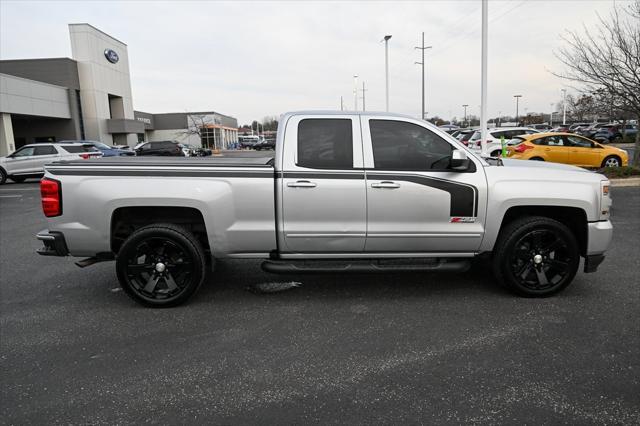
point(172, 162)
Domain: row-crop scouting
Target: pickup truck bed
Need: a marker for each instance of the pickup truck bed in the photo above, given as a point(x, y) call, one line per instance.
point(235, 194)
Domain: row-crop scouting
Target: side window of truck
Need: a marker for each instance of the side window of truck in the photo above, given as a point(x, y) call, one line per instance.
point(398, 145)
point(325, 143)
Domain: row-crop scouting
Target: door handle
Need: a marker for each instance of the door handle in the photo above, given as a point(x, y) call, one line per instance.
point(301, 184)
point(386, 184)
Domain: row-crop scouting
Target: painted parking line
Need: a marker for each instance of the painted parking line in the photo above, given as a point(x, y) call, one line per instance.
point(18, 189)
point(10, 196)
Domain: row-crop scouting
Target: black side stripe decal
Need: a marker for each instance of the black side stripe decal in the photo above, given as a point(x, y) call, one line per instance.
point(169, 173)
point(464, 198)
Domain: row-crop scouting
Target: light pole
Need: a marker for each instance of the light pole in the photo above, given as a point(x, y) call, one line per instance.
point(551, 116)
point(499, 117)
point(341, 104)
point(423, 48)
point(465, 114)
point(517, 101)
point(483, 91)
point(386, 70)
point(355, 92)
point(564, 106)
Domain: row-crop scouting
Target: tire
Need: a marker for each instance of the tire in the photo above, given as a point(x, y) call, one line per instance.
point(536, 256)
point(536, 159)
point(612, 161)
point(3, 176)
point(18, 179)
point(496, 153)
point(161, 265)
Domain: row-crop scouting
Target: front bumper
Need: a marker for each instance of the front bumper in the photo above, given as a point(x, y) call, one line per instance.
point(600, 236)
point(53, 242)
point(599, 239)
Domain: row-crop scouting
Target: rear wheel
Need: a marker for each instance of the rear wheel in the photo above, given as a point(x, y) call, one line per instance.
point(17, 179)
point(161, 265)
point(536, 159)
point(536, 256)
point(611, 161)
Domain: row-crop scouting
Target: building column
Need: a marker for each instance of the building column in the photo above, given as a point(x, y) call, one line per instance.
point(7, 143)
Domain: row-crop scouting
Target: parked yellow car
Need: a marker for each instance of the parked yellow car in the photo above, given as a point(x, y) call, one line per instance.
point(566, 148)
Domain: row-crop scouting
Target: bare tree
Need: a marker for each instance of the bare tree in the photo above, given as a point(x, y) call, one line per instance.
point(201, 126)
point(608, 59)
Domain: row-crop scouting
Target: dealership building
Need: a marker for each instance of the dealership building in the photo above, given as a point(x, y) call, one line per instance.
point(88, 97)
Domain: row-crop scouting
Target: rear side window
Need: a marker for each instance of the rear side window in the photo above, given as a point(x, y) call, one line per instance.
point(398, 145)
point(325, 143)
point(45, 150)
point(76, 149)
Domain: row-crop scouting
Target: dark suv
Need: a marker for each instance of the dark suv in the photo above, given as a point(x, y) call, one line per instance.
point(163, 148)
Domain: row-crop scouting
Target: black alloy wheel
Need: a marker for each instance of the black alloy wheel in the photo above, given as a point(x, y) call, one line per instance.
point(161, 265)
point(536, 256)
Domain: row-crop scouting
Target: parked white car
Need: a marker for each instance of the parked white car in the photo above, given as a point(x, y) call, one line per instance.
point(29, 160)
point(494, 146)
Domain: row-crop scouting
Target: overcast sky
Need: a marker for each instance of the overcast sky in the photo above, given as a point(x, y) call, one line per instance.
point(255, 59)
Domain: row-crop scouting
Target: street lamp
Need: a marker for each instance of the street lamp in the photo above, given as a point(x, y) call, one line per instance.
point(465, 114)
point(386, 70)
point(355, 92)
point(517, 99)
point(564, 106)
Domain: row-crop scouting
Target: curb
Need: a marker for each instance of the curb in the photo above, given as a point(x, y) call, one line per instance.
point(625, 182)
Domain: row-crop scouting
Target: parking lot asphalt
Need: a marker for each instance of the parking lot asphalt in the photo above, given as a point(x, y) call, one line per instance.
point(429, 348)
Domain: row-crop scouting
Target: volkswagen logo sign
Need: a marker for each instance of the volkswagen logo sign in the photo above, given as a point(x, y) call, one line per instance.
point(111, 55)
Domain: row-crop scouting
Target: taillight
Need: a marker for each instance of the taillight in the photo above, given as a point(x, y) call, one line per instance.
point(85, 156)
point(51, 192)
point(522, 147)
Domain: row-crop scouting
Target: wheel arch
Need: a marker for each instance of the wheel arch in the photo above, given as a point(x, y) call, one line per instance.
point(126, 220)
point(573, 218)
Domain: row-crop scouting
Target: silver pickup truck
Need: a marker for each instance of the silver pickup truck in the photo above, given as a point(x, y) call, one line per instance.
point(344, 193)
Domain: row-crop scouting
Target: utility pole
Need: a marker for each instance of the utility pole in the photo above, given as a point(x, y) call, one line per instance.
point(355, 92)
point(564, 106)
point(423, 48)
point(386, 70)
point(517, 99)
point(364, 106)
point(551, 116)
point(465, 114)
point(483, 95)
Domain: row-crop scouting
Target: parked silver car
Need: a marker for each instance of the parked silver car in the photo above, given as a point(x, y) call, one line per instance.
point(29, 160)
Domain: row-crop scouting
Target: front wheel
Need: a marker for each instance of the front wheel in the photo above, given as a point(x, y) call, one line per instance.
point(536, 256)
point(161, 265)
point(611, 161)
point(3, 177)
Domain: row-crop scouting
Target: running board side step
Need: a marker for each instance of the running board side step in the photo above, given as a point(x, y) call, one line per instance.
point(365, 266)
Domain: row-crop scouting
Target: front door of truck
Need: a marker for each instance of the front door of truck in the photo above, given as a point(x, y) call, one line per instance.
point(322, 185)
point(415, 202)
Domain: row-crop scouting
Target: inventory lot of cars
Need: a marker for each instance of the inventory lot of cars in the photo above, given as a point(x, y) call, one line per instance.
point(374, 348)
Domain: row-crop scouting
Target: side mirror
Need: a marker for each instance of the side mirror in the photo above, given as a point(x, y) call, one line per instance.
point(459, 161)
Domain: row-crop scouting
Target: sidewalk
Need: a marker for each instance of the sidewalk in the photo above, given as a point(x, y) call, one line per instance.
point(634, 181)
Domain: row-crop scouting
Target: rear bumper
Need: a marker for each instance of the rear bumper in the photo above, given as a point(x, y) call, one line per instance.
point(53, 243)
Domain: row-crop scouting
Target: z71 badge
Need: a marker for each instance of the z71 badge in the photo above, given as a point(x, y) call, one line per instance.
point(462, 219)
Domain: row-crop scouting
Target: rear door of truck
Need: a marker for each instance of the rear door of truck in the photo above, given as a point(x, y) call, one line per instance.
point(322, 185)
